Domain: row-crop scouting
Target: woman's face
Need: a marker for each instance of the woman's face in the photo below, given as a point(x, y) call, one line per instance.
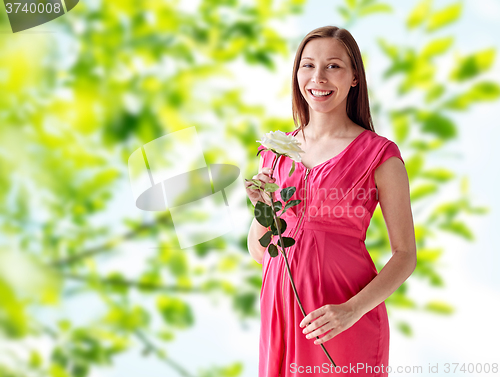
point(325, 75)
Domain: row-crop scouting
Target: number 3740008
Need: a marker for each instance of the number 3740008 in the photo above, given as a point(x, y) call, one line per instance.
point(33, 8)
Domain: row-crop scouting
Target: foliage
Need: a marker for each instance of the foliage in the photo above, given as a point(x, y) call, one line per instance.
point(422, 131)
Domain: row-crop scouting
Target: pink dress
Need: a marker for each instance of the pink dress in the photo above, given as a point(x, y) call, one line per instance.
point(329, 264)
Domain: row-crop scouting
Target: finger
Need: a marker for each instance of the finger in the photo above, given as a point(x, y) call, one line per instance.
point(265, 179)
point(321, 330)
point(259, 177)
point(327, 337)
point(311, 316)
point(315, 324)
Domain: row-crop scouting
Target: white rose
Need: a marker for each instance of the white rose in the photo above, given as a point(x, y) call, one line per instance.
point(281, 143)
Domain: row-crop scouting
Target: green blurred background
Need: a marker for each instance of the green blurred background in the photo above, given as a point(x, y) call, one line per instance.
point(92, 286)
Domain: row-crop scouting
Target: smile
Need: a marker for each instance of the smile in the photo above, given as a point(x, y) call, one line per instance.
point(320, 93)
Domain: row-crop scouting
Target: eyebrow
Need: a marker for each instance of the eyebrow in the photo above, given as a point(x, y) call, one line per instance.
point(306, 57)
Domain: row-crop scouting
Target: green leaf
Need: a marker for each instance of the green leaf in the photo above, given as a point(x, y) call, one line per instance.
point(351, 3)
point(459, 228)
point(127, 319)
point(175, 311)
point(472, 65)
point(271, 187)
point(414, 165)
point(166, 335)
point(245, 302)
point(434, 92)
point(265, 240)
point(446, 210)
point(439, 307)
point(437, 47)
point(263, 214)
point(176, 262)
point(405, 328)
point(375, 8)
point(482, 91)
point(428, 255)
point(55, 370)
point(401, 301)
point(390, 50)
point(288, 241)
point(439, 125)
point(445, 16)
point(117, 282)
point(291, 203)
point(283, 226)
point(277, 206)
point(422, 191)
point(273, 250)
point(438, 174)
point(401, 126)
point(255, 281)
point(344, 12)
point(287, 193)
point(419, 14)
point(476, 210)
point(35, 359)
point(292, 169)
point(233, 370)
point(228, 263)
point(257, 182)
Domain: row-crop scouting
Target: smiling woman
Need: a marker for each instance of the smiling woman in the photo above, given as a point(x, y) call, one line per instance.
point(336, 279)
point(325, 77)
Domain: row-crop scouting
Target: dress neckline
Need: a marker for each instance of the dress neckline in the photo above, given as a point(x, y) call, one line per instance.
point(334, 157)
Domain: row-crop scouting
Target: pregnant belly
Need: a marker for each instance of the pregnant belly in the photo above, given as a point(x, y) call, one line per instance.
point(337, 265)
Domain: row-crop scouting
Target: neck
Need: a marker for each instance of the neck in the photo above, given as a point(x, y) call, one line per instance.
point(328, 125)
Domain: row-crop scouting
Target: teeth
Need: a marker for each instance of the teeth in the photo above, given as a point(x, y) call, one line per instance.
point(318, 93)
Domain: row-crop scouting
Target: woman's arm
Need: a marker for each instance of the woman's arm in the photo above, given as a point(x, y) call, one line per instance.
point(256, 230)
point(393, 188)
point(254, 247)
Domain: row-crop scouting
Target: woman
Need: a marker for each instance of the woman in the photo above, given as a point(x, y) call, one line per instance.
point(345, 171)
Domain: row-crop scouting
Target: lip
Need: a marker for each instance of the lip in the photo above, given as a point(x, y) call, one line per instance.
point(320, 99)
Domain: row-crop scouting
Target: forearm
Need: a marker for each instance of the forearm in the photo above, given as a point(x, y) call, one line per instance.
point(395, 272)
point(254, 247)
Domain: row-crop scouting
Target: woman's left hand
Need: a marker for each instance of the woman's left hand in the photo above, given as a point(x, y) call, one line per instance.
point(329, 318)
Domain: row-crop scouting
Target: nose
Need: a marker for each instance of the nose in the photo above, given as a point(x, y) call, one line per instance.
point(318, 77)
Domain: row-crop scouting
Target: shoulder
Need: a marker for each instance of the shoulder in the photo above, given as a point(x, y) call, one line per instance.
point(383, 147)
point(390, 168)
point(376, 138)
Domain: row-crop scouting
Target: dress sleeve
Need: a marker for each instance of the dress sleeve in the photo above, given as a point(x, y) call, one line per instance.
point(390, 149)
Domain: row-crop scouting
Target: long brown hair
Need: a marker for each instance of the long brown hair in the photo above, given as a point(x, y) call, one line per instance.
point(358, 106)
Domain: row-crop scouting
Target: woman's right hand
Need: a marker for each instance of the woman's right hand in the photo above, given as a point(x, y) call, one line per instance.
point(256, 195)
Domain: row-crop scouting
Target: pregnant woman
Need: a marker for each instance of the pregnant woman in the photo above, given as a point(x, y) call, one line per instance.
point(346, 170)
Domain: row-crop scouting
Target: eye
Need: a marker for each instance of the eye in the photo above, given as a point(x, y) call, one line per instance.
point(307, 65)
point(334, 65)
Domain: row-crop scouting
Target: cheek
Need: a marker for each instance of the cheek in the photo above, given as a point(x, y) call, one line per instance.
point(302, 81)
point(301, 78)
